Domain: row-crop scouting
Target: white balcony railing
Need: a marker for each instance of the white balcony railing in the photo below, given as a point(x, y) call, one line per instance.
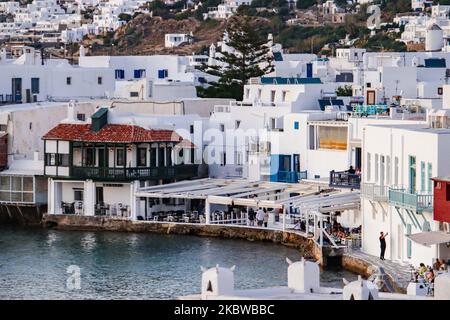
point(374, 192)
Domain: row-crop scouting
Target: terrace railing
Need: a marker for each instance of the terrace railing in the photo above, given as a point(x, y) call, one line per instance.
point(135, 173)
point(417, 202)
point(374, 192)
point(343, 179)
point(370, 110)
point(289, 176)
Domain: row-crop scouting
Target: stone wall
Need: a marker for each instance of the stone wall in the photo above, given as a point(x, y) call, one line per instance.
point(21, 214)
point(358, 266)
point(366, 269)
point(306, 246)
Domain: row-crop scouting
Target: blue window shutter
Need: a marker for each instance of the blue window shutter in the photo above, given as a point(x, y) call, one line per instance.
point(160, 74)
point(137, 74)
point(274, 167)
point(296, 125)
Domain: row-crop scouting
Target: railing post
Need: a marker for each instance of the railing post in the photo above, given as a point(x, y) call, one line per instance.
point(207, 212)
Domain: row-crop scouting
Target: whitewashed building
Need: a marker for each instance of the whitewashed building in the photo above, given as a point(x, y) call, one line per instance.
point(172, 40)
point(94, 167)
point(29, 79)
point(158, 77)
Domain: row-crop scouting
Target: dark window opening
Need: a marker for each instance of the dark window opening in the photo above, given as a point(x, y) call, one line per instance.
point(120, 157)
point(142, 157)
point(34, 85)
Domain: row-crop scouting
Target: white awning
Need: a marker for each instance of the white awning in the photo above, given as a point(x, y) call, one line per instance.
point(430, 238)
point(220, 200)
point(245, 202)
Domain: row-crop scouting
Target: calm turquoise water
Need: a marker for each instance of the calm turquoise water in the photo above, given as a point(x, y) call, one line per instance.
point(33, 264)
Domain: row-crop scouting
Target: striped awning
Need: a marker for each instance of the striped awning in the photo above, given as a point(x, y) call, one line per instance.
point(430, 238)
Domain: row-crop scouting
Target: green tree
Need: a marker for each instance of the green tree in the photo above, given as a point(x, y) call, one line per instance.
point(305, 4)
point(345, 91)
point(125, 17)
point(249, 59)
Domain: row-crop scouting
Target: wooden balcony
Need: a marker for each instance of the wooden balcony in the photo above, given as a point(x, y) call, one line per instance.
point(177, 172)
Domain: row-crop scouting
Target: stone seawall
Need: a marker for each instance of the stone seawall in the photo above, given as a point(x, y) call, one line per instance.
point(358, 266)
point(306, 246)
point(21, 214)
point(367, 269)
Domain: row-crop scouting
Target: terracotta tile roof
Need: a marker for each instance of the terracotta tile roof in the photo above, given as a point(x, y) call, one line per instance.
point(113, 133)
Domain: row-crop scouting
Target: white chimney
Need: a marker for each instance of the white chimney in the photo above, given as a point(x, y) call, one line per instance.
point(71, 116)
point(303, 276)
point(82, 51)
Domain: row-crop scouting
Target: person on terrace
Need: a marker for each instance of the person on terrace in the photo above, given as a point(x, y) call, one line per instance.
point(382, 244)
point(422, 269)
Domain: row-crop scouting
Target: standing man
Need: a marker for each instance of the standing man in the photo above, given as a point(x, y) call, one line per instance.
point(266, 218)
point(383, 244)
point(260, 217)
point(251, 217)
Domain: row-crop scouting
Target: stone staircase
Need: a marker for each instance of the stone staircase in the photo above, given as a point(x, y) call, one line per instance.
point(400, 273)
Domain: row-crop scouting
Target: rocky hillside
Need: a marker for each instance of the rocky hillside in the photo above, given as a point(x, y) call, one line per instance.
point(144, 35)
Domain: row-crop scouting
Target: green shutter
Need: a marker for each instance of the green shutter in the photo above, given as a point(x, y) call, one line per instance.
point(430, 175)
point(408, 242)
point(422, 176)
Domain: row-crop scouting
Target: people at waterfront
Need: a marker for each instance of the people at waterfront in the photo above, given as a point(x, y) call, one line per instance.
point(260, 217)
point(382, 244)
point(251, 217)
point(266, 218)
point(429, 276)
point(439, 265)
point(422, 269)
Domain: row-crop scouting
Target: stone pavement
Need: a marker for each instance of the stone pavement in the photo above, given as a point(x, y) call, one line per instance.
point(400, 273)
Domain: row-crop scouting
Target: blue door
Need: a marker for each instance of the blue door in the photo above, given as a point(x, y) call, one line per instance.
point(309, 70)
point(16, 87)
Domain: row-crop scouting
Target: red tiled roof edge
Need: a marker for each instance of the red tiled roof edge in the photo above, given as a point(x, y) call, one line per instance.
point(112, 133)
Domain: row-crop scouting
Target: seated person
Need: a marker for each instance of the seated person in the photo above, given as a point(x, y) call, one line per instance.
point(437, 264)
point(443, 265)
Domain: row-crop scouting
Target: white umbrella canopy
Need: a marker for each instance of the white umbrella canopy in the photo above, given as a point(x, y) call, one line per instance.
point(430, 238)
